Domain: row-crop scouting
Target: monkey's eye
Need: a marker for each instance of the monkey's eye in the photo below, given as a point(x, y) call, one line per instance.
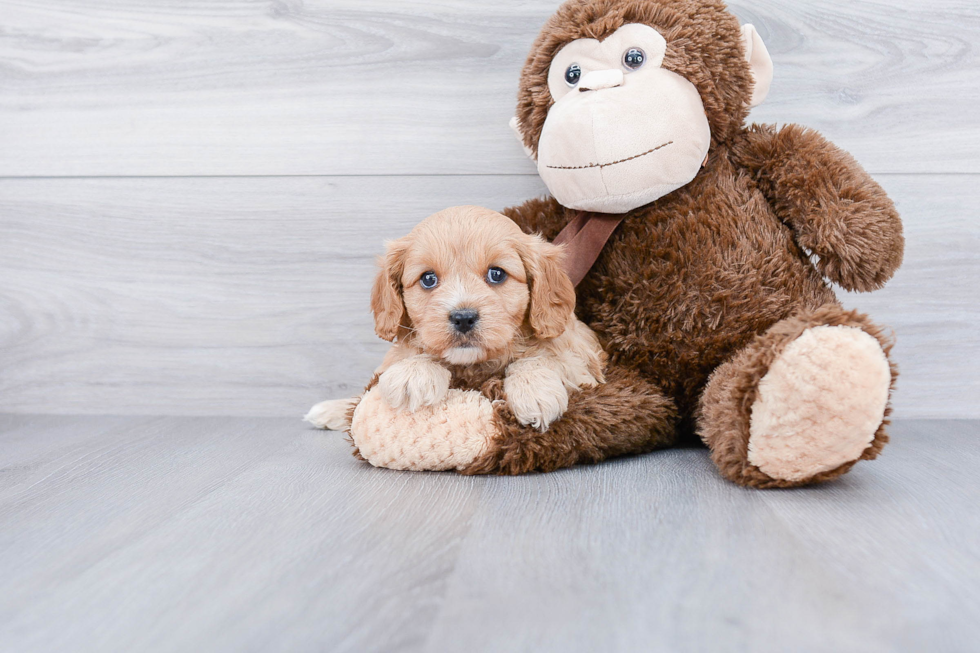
point(428, 280)
point(634, 58)
point(573, 74)
point(496, 276)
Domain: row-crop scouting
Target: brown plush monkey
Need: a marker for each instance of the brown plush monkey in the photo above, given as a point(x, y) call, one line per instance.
point(711, 296)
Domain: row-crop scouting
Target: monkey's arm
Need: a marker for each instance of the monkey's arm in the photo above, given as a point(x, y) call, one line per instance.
point(834, 207)
point(542, 215)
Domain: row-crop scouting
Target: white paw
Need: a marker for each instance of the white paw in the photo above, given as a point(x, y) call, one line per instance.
point(820, 403)
point(413, 383)
point(536, 394)
point(331, 414)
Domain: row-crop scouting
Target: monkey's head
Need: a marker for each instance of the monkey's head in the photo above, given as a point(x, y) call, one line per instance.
point(620, 101)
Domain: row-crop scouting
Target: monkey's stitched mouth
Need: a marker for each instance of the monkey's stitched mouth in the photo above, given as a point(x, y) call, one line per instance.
point(606, 165)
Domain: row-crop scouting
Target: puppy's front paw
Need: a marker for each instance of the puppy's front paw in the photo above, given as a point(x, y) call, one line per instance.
point(414, 382)
point(535, 393)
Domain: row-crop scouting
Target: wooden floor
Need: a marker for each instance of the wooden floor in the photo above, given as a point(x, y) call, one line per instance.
point(192, 196)
point(219, 534)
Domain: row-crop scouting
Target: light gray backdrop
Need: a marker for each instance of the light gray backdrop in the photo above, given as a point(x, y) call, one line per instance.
point(192, 192)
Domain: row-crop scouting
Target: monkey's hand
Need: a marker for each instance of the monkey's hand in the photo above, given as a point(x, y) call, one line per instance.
point(535, 392)
point(414, 382)
point(835, 209)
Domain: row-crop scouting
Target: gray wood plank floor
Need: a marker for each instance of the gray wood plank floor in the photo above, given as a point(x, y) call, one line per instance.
point(179, 534)
point(191, 197)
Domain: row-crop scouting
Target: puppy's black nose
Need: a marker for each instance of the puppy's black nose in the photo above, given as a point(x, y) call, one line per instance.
point(464, 319)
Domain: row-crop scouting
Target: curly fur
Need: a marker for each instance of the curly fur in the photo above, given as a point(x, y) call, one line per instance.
point(687, 285)
point(625, 415)
point(696, 294)
point(725, 407)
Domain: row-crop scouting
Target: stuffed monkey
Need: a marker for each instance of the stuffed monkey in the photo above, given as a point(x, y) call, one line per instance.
point(704, 250)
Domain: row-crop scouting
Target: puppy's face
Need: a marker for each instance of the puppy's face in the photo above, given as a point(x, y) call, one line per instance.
point(466, 282)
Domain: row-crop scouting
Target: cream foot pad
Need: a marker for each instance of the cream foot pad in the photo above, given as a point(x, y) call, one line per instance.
point(449, 435)
point(820, 403)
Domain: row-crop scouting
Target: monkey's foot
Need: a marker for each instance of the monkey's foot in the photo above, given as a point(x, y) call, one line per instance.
point(449, 435)
point(802, 402)
point(820, 404)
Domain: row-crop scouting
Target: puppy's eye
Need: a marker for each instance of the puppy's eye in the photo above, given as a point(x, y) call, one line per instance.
point(496, 276)
point(573, 74)
point(429, 280)
point(634, 58)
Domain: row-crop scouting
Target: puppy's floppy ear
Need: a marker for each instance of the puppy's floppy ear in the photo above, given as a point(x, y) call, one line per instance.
point(552, 292)
point(386, 295)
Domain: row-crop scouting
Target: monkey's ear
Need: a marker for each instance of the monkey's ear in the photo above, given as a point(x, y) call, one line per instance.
point(386, 295)
point(760, 63)
point(552, 292)
point(515, 124)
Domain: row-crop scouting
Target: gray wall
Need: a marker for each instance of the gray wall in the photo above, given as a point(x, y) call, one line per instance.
point(192, 193)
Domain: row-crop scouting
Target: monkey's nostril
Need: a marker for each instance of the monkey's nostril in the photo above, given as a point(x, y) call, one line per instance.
point(464, 319)
point(601, 79)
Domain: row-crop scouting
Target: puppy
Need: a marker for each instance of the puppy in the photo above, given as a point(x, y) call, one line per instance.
point(465, 297)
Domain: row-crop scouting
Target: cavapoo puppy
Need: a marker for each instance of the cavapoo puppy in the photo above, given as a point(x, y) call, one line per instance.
point(465, 297)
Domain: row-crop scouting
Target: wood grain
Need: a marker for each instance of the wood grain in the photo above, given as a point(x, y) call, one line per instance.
point(176, 534)
point(172, 287)
point(249, 296)
point(201, 296)
point(932, 303)
point(327, 87)
point(704, 565)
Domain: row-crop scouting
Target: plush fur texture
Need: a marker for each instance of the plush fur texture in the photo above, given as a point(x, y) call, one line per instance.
point(449, 435)
point(625, 415)
point(725, 410)
point(687, 281)
point(521, 324)
point(697, 294)
point(687, 284)
point(826, 370)
point(475, 431)
point(425, 409)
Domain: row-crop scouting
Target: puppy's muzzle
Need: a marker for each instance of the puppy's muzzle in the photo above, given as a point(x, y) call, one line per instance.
point(464, 319)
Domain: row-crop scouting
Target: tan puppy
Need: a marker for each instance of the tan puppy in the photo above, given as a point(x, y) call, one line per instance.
point(468, 295)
